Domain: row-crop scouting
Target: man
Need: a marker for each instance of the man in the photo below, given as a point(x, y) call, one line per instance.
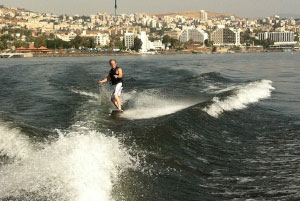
point(115, 76)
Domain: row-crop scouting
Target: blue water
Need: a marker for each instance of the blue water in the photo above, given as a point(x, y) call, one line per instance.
point(195, 127)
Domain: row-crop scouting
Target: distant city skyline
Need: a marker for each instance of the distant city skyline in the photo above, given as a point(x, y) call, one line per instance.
point(243, 8)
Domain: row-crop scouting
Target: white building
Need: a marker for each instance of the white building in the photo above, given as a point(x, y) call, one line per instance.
point(196, 35)
point(129, 40)
point(285, 36)
point(158, 45)
point(144, 39)
point(153, 24)
point(203, 15)
point(102, 39)
point(67, 37)
point(226, 36)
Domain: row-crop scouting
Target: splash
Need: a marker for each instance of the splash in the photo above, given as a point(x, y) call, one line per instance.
point(84, 93)
point(13, 144)
point(144, 106)
point(245, 95)
point(79, 165)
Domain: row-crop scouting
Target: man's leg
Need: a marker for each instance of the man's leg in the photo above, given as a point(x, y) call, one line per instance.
point(118, 102)
point(114, 101)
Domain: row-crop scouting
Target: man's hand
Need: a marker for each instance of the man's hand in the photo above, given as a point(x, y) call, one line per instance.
point(100, 82)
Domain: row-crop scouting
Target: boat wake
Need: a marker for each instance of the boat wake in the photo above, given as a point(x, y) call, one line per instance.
point(242, 97)
point(80, 165)
point(146, 105)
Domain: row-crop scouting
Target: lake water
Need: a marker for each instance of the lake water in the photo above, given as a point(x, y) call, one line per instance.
point(195, 127)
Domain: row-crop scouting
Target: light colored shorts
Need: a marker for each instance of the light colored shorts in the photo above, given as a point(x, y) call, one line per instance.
point(117, 90)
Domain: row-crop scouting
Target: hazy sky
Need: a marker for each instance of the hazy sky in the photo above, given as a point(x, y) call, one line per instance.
point(243, 8)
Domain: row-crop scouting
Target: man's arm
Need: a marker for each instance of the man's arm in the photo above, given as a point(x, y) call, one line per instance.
point(104, 80)
point(120, 73)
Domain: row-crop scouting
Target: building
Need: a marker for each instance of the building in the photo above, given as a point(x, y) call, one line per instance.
point(66, 37)
point(102, 39)
point(225, 37)
point(203, 15)
point(129, 40)
point(173, 34)
point(285, 36)
point(156, 45)
point(33, 50)
point(196, 35)
point(144, 39)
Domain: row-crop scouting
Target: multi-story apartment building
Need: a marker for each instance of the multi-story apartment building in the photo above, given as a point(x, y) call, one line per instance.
point(144, 39)
point(224, 36)
point(203, 15)
point(196, 35)
point(129, 40)
point(286, 36)
point(102, 39)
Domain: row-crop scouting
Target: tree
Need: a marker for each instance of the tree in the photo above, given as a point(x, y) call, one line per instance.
point(6, 37)
point(137, 44)
point(58, 44)
point(208, 43)
point(265, 43)
point(153, 38)
point(3, 45)
point(76, 42)
point(40, 41)
point(87, 42)
point(19, 43)
point(166, 39)
point(119, 44)
point(174, 43)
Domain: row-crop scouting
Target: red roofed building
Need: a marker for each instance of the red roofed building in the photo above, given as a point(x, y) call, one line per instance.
point(33, 50)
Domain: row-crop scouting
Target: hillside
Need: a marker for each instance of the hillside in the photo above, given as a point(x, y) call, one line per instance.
point(196, 14)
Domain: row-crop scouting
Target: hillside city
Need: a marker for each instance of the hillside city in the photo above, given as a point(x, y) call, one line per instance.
point(192, 31)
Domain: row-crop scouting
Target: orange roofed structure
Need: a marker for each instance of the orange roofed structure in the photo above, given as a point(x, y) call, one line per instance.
point(33, 50)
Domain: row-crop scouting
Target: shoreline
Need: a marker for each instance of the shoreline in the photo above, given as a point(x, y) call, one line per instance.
point(89, 54)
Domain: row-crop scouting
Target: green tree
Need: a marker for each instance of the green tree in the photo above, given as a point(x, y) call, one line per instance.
point(166, 39)
point(175, 43)
point(120, 44)
point(3, 45)
point(58, 44)
point(6, 37)
point(40, 41)
point(137, 44)
point(265, 43)
point(208, 43)
point(19, 43)
point(76, 42)
point(153, 38)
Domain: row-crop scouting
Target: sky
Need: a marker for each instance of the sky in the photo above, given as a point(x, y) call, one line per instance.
point(243, 8)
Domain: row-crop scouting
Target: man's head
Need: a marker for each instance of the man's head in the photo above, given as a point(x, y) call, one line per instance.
point(113, 63)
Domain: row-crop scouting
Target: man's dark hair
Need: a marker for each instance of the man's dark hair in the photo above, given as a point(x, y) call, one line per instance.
point(112, 60)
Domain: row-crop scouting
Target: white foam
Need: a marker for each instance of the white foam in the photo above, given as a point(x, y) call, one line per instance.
point(245, 95)
point(81, 166)
point(103, 97)
point(84, 93)
point(145, 106)
point(13, 143)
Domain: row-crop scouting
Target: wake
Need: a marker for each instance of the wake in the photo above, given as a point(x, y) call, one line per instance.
point(145, 106)
point(244, 95)
point(80, 165)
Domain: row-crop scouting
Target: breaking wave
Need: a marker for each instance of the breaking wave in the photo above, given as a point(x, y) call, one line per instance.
point(244, 95)
point(79, 165)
